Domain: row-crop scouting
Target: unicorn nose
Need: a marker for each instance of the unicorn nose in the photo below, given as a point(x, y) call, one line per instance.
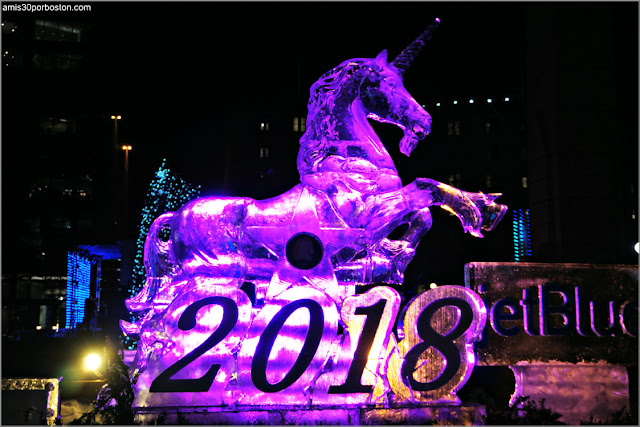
point(422, 128)
point(420, 132)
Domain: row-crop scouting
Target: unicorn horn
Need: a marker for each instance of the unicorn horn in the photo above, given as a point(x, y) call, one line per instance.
point(406, 57)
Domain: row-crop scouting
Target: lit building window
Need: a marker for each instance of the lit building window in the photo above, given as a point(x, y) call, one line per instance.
point(449, 128)
point(487, 128)
point(55, 126)
point(9, 27)
point(489, 181)
point(58, 31)
point(452, 180)
point(264, 126)
point(525, 182)
point(456, 127)
point(521, 234)
point(299, 124)
point(57, 61)
point(12, 58)
point(264, 152)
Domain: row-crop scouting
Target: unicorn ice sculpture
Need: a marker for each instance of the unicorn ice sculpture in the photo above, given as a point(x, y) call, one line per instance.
point(328, 233)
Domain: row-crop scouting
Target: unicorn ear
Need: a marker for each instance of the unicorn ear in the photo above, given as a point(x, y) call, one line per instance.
point(382, 56)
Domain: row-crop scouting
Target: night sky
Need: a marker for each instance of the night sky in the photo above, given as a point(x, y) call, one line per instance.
point(186, 67)
point(175, 72)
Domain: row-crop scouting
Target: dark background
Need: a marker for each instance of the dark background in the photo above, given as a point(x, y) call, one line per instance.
point(177, 71)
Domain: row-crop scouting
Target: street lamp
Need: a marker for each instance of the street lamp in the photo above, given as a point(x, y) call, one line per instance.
point(126, 149)
point(125, 205)
point(115, 129)
point(92, 362)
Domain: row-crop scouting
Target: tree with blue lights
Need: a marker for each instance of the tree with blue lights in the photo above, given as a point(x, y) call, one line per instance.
point(167, 192)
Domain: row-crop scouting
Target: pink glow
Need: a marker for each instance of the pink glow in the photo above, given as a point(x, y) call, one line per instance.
point(305, 251)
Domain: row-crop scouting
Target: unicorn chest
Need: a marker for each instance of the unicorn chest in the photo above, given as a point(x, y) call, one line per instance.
point(357, 156)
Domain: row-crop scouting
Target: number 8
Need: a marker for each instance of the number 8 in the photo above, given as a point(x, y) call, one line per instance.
point(436, 356)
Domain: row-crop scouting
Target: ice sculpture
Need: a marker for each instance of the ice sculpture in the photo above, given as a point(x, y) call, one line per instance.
point(305, 252)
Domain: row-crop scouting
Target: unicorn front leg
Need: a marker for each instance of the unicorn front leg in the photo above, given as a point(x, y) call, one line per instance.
point(476, 211)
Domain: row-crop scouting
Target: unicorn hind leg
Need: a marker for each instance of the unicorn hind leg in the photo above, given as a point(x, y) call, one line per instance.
point(393, 256)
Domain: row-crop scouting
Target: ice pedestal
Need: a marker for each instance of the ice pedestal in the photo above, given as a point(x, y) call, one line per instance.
point(575, 391)
point(466, 414)
point(30, 400)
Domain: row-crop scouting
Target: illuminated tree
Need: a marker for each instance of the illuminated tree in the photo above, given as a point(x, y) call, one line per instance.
point(167, 192)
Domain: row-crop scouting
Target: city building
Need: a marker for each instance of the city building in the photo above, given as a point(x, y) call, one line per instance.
point(59, 165)
point(582, 120)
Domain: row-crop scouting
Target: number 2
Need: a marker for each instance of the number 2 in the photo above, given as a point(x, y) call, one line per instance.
point(205, 326)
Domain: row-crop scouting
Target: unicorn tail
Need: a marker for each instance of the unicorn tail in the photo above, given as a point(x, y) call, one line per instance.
point(158, 263)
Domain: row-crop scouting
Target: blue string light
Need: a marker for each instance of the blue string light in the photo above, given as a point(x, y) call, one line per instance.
point(78, 287)
point(521, 234)
point(167, 192)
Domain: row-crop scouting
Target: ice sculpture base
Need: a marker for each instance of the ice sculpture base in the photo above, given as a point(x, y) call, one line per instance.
point(575, 391)
point(466, 414)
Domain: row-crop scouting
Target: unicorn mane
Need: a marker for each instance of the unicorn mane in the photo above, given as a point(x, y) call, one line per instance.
point(320, 121)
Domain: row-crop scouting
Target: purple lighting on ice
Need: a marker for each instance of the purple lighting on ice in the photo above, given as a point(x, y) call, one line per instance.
point(203, 343)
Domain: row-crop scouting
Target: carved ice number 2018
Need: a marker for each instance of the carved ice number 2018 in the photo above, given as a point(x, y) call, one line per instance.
point(288, 343)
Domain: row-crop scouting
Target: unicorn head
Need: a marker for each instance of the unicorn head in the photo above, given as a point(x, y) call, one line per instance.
point(344, 98)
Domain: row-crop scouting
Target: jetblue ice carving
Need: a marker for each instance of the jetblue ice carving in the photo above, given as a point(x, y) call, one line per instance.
point(304, 336)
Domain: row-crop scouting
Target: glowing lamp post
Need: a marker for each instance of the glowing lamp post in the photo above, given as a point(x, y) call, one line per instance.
point(125, 221)
point(126, 149)
point(115, 119)
point(92, 362)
